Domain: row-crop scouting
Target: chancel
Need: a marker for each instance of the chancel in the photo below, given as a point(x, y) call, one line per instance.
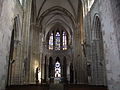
point(59, 45)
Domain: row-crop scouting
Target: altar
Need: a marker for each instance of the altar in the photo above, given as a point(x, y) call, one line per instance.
point(57, 80)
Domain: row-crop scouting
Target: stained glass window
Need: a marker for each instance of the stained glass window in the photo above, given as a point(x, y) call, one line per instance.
point(51, 42)
point(64, 41)
point(57, 69)
point(57, 41)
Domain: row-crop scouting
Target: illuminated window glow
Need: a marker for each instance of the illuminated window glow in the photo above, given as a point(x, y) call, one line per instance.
point(57, 69)
point(64, 41)
point(51, 42)
point(57, 41)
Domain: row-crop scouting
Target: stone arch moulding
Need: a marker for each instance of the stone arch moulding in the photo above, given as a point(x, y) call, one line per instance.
point(98, 50)
point(96, 15)
point(55, 9)
point(62, 23)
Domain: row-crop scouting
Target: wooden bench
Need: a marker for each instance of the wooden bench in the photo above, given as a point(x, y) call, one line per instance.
point(28, 87)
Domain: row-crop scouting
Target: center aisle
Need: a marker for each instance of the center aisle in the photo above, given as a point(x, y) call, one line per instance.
point(56, 87)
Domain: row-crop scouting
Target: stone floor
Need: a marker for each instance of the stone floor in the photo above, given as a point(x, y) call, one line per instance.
point(56, 87)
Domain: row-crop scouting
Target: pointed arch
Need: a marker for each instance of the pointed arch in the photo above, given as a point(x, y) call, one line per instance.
point(55, 9)
point(98, 60)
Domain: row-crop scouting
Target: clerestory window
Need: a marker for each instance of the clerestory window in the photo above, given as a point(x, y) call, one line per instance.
point(51, 42)
point(58, 40)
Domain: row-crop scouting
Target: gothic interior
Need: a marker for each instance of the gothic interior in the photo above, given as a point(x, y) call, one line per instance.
point(69, 43)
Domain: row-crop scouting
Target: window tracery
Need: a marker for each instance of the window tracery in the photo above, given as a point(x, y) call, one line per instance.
point(58, 41)
point(51, 42)
point(64, 41)
point(57, 69)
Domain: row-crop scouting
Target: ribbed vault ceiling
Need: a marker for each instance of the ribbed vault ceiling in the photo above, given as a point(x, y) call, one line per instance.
point(70, 5)
point(54, 12)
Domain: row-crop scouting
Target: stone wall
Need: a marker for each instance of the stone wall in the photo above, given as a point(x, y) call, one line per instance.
point(1, 3)
point(108, 12)
point(8, 13)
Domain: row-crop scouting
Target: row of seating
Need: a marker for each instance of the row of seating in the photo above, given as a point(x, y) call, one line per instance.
point(28, 87)
point(84, 87)
point(47, 87)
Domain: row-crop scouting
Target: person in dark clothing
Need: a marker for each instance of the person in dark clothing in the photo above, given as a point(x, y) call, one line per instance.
point(37, 70)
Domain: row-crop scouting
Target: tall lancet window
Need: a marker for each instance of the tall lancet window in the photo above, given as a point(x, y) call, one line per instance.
point(57, 41)
point(57, 69)
point(51, 42)
point(64, 41)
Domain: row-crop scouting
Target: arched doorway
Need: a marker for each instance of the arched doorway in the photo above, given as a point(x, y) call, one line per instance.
point(10, 59)
point(98, 62)
point(13, 67)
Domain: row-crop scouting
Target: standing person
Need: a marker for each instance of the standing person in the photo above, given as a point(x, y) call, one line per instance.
point(37, 81)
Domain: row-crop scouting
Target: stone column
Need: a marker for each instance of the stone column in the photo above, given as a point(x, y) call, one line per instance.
point(45, 70)
point(26, 38)
point(54, 40)
point(61, 40)
point(79, 60)
point(71, 73)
